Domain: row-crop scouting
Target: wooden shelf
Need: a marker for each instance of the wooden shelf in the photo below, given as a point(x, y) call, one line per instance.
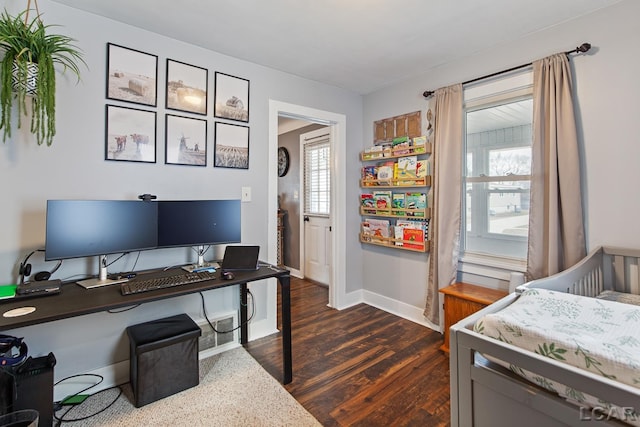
point(420, 182)
point(390, 242)
point(399, 213)
point(389, 153)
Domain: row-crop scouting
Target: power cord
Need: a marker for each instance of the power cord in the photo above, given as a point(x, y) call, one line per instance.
point(58, 405)
point(206, 316)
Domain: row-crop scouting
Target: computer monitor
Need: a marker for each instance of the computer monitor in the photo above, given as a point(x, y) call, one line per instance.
point(198, 223)
point(83, 228)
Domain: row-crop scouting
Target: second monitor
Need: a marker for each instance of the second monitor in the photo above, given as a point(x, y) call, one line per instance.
point(198, 223)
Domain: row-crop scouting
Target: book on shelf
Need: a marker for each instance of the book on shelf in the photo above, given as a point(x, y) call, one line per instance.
point(419, 144)
point(416, 204)
point(402, 225)
point(375, 230)
point(407, 168)
point(413, 238)
point(369, 175)
point(397, 202)
point(398, 233)
point(421, 171)
point(385, 174)
point(382, 201)
point(400, 146)
point(367, 203)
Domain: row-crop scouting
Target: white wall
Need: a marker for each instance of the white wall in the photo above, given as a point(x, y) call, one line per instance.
point(74, 167)
point(607, 88)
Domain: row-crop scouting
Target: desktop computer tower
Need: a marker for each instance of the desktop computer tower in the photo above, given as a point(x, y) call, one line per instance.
point(29, 386)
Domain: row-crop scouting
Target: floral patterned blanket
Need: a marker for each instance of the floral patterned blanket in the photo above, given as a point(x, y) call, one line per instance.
point(596, 335)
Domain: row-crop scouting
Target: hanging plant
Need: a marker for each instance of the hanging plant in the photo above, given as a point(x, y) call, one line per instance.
point(28, 69)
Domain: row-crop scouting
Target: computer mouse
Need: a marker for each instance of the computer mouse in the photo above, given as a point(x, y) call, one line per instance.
point(227, 275)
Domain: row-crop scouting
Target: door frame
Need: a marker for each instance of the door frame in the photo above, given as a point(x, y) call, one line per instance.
point(303, 236)
point(338, 131)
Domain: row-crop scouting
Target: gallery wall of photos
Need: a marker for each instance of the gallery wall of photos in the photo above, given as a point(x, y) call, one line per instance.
point(132, 112)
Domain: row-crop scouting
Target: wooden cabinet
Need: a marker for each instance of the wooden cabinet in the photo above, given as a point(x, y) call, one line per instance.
point(409, 125)
point(462, 300)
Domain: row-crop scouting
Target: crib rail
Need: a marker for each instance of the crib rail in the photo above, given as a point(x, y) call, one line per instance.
point(621, 269)
point(604, 268)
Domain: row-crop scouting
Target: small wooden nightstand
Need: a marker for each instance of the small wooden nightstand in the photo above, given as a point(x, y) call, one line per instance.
point(462, 300)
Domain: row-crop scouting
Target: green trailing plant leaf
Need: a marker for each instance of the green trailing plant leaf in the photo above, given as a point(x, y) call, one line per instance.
point(30, 42)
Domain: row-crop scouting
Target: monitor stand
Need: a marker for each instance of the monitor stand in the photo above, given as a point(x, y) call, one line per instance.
point(201, 265)
point(102, 279)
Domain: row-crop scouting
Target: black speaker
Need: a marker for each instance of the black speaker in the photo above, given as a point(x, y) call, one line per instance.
point(29, 386)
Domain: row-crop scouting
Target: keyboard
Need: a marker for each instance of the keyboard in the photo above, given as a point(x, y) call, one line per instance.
point(146, 285)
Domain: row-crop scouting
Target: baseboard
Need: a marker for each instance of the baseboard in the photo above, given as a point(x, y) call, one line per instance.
point(112, 375)
point(351, 299)
point(401, 309)
point(295, 272)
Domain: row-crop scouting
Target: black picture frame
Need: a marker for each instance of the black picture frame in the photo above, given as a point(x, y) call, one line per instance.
point(231, 98)
point(130, 134)
point(185, 141)
point(231, 146)
point(132, 75)
point(187, 87)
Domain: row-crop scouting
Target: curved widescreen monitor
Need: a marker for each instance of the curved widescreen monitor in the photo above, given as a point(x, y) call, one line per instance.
point(82, 228)
point(198, 222)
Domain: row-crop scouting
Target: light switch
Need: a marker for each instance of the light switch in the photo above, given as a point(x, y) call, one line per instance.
point(295, 195)
point(246, 194)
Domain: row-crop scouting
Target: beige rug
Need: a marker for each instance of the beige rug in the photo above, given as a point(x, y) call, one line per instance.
point(234, 390)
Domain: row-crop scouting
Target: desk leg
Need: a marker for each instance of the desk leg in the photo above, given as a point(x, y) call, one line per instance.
point(285, 293)
point(244, 327)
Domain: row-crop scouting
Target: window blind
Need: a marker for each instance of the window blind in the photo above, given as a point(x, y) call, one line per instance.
point(317, 177)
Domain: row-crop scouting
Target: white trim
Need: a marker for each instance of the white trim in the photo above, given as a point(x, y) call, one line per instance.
point(338, 129)
point(398, 308)
point(113, 375)
point(490, 266)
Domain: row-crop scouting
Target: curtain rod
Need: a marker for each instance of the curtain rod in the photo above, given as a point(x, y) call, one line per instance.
point(584, 47)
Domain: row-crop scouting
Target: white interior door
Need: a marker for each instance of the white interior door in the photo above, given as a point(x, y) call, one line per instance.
point(316, 178)
point(317, 232)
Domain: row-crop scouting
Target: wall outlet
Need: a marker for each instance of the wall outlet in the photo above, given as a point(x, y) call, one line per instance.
point(246, 194)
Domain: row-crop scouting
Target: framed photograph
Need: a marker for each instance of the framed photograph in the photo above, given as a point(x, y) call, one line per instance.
point(231, 98)
point(231, 146)
point(185, 141)
point(132, 75)
point(130, 135)
point(186, 87)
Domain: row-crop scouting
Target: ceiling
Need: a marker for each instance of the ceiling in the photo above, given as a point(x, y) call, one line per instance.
point(359, 45)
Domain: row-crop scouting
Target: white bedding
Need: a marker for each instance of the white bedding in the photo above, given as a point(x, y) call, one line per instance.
point(596, 335)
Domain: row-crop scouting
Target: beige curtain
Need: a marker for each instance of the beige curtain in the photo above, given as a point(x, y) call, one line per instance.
point(445, 196)
point(556, 231)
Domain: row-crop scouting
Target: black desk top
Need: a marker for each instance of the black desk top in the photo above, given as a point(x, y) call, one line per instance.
point(74, 300)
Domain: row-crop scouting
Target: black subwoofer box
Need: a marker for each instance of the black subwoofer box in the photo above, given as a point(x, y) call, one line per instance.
point(163, 358)
point(29, 386)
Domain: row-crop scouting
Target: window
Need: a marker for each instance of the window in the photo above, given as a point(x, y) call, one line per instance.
point(497, 167)
point(317, 177)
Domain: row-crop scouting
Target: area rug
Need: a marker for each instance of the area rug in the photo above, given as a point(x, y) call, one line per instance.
point(234, 390)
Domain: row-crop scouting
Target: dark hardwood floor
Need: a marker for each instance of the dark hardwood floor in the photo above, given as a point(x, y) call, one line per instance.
point(360, 366)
